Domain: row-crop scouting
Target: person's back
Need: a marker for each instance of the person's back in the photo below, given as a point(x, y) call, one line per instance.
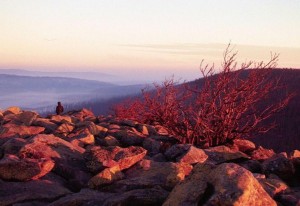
point(59, 108)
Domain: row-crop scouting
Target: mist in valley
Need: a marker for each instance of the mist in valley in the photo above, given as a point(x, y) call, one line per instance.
point(42, 93)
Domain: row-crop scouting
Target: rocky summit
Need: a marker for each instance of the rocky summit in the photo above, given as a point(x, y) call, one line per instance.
point(81, 159)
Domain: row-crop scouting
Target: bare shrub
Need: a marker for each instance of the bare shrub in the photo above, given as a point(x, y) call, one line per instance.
point(219, 108)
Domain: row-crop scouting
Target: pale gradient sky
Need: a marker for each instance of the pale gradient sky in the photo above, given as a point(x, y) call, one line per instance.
point(145, 38)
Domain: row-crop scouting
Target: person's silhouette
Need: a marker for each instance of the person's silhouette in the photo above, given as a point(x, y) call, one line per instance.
point(59, 108)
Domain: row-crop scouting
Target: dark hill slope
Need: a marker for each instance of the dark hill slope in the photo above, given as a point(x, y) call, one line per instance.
point(286, 136)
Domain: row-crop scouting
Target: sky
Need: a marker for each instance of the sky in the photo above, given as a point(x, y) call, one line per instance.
point(146, 39)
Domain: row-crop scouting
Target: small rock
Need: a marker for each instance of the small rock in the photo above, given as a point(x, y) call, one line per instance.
point(295, 154)
point(161, 130)
point(273, 186)
point(186, 153)
point(61, 118)
point(244, 145)
point(110, 141)
point(261, 153)
point(106, 176)
point(114, 127)
point(259, 176)
point(143, 129)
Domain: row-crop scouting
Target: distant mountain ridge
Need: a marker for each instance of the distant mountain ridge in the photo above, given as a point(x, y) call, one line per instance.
point(15, 83)
point(37, 92)
point(99, 76)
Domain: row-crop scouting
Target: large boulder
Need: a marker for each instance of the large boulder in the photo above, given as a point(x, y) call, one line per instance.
point(26, 117)
point(82, 139)
point(64, 129)
point(226, 184)
point(13, 168)
point(12, 110)
point(82, 115)
point(44, 191)
point(106, 176)
point(90, 127)
point(53, 147)
point(289, 197)
point(149, 174)
point(23, 118)
point(186, 153)
point(152, 146)
point(60, 118)
point(280, 165)
point(220, 154)
point(49, 126)
point(128, 137)
point(146, 196)
point(69, 161)
point(13, 145)
point(273, 186)
point(108, 141)
point(10, 130)
point(84, 197)
point(253, 166)
point(99, 158)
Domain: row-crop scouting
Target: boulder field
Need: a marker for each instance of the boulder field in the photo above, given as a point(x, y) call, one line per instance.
point(81, 159)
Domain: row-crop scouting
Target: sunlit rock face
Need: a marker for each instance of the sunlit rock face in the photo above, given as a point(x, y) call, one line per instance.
point(12, 168)
point(78, 158)
point(225, 184)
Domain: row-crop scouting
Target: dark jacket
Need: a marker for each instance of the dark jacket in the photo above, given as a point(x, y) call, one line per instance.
point(59, 109)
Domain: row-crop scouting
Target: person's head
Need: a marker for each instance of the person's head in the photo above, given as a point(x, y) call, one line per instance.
point(58, 103)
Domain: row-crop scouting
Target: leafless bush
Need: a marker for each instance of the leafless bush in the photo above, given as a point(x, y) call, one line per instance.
point(225, 106)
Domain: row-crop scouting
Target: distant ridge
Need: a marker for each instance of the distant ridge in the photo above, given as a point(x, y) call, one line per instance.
point(99, 76)
point(34, 92)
